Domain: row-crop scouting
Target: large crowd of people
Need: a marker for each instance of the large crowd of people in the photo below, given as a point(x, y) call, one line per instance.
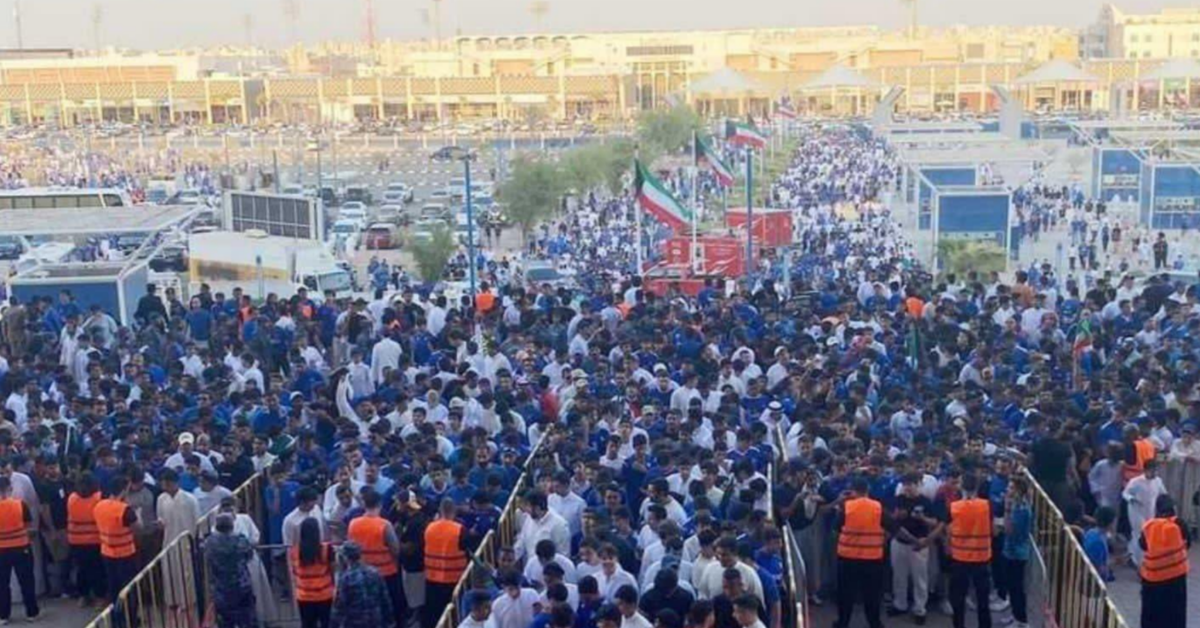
point(885, 415)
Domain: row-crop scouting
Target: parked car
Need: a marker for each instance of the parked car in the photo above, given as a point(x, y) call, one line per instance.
point(398, 191)
point(393, 214)
point(422, 230)
point(446, 153)
point(542, 273)
point(358, 194)
point(170, 258)
point(347, 230)
point(381, 235)
point(356, 211)
point(434, 211)
point(10, 247)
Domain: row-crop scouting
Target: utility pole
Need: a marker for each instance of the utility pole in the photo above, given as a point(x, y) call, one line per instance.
point(17, 22)
point(248, 28)
point(97, 22)
point(291, 13)
point(370, 25)
point(437, 24)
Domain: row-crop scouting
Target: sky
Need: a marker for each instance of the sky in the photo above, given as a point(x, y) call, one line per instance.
point(149, 24)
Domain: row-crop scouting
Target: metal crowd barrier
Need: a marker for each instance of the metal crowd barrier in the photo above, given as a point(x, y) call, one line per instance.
point(169, 592)
point(795, 574)
point(163, 595)
point(485, 557)
point(796, 589)
point(1075, 595)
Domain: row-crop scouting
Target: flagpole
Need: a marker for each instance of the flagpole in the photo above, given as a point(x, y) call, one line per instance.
point(695, 199)
point(749, 211)
point(637, 216)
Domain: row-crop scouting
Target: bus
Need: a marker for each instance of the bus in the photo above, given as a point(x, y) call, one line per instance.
point(49, 198)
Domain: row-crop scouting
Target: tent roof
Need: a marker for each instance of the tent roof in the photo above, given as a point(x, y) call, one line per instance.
point(839, 76)
point(1056, 71)
point(1175, 69)
point(725, 81)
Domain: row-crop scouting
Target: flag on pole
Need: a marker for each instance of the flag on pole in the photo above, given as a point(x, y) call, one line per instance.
point(653, 197)
point(707, 157)
point(784, 110)
point(744, 134)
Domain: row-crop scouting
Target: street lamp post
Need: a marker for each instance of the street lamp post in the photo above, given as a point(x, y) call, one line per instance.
point(470, 222)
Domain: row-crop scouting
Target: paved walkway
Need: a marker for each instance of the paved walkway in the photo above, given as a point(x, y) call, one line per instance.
point(1126, 592)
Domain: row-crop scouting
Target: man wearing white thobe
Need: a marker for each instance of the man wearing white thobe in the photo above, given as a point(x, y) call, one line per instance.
point(1141, 494)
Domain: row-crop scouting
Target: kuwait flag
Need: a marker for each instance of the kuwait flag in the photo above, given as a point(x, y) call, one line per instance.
point(785, 111)
point(744, 134)
point(655, 198)
point(706, 157)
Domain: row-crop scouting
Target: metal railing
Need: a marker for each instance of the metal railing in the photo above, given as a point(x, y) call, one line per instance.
point(170, 591)
point(485, 556)
point(1075, 595)
point(796, 589)
point(795, 572)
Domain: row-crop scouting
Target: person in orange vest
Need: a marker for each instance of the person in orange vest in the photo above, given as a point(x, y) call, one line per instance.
point(1138, 449)
point(311, 562)
point(1165, 542)
point(84, 539)
point(860, 567)
point(15, 553)
point(377, 538)
point(446, 558)
point(485, 301)
point(969, 543)
point(115, 521)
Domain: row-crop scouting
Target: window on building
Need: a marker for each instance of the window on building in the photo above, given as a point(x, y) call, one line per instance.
point(1133, 38)
point(1195, 36)
point(1146, 54)
point(1147, 38)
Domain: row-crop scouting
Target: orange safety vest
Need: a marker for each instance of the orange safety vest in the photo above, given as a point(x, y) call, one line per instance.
point(971, 531)
point(116, 538)
point(861, 537)
point(312, 583)
point(445, 561)
point(13, 533)
point(1166, 555)
point(1143, 450)
point(81, 521)
point(484, 302)
point(914, 306)
point(368, 531)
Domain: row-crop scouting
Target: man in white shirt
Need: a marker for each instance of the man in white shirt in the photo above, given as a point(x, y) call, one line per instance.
point(516, 605)
point(385, 355)
point(178, 460)
point(344, 477)
point(177, 510)
point(210, 493)
point(627, 603)
point(541, 523)
point(1141, 494)
point(567, 504)
point(710, 584)
point(611, 576)
point(547, 555)
point(306, 508)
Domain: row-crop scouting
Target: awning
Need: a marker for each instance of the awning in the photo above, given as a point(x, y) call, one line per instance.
point(1056, 71)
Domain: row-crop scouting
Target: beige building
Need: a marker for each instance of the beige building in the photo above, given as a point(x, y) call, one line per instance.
point(1171, 33)
point(594, 76)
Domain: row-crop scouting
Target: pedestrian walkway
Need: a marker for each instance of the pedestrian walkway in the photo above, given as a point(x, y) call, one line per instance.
point(1126, 592)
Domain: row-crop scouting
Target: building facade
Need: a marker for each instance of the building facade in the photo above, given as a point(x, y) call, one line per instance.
point(1170, 33)
point(592, 76)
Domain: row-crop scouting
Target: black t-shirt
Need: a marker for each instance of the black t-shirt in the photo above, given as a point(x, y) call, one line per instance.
point(1050, 459)
point(906, 507)
point(51, 494)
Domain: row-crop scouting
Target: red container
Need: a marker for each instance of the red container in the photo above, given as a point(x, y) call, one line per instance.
point(665, 278)
point(720, 255)
point(772, 227)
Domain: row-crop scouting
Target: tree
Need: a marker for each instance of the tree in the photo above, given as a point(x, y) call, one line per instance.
point(432, 255)
point(667, 131)
point(531, 192)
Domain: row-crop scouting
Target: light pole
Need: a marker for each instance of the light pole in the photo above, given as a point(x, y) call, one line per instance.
point(466, 156)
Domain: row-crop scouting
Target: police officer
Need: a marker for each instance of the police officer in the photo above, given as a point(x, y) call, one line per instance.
point(860, 568)
point(969, 540)
point(1164, 569)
